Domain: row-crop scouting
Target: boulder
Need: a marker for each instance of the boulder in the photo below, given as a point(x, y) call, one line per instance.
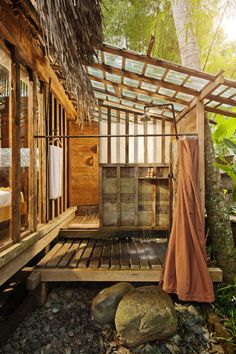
point(144, 315)
point(104, 305)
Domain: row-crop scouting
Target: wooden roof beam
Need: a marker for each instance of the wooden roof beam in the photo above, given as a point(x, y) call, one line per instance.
point(106, 104)
point(156, 62)
point(138, 77)
point(117, 90)
point(207, 90)
point(223, 112)
point(141, 91)
point(130, 99)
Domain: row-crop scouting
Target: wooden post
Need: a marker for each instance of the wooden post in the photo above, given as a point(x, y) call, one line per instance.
point(32, 126)
point(136, 195)
point(135, 139)
point(52, 118)
point(145, 142)
point(16, 165)
point(163, 142)
point(100, 196)
point(66, 162)
point(43, 156)
point(118, 206)
point(154, 141)
point(109, 138)
point(117, 139)
point(63, 162)
point(127, 138)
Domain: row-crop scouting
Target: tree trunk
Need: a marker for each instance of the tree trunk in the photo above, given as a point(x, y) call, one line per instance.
point(217, 212)
point(188, 45)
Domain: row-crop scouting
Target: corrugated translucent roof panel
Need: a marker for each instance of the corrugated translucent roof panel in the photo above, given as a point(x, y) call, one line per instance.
point(159, 101)
point(110, 88)
point(114, 99)
point(113, 60)
point(113, 78)
point(139, 106)
point(127, 103)
point(131, 82)
point(98, 84)
point(145, 77)
point(100, 95)
point(184, 96)
point(219, 90)
point(212, 104)
point(155, 72)
point(149, 87)
point(175, 77)
point(129, 93)
point(143, 97)
point(196, 83)
point(230, 92)
point(167, 92)
point(95, 72)
point(134, 66)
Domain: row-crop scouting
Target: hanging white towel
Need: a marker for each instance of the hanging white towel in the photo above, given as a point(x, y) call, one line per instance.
point(55, 171)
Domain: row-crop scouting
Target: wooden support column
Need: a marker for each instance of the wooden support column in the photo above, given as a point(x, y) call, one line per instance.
point(100, 196)
point(200, 116)
point(145, 142)
point(16, 166)
point(32, 127)
point(117, 139)
point(163, 142)
point(118, 196)
point(154, 141)
point(154, 203)
point(136, 195)
point(109, 138)
point(135, 139)
point(66, 161)
point(57, 131)
point(63, 162)
point(127, 138)
point(52, 118)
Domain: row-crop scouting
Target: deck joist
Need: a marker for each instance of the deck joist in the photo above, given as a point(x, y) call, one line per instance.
point(126, 259)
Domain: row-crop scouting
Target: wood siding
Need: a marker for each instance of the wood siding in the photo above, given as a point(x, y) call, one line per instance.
point(83, 166)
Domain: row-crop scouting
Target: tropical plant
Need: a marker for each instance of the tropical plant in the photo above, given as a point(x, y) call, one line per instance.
point(228, 167)
point(224, 129)
point(225, 306)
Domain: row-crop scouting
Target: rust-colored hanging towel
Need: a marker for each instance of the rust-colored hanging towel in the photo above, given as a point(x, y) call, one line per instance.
point(185, 270)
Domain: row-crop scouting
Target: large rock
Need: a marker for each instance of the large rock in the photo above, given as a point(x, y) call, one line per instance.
point(104, 305)
point(144, 315)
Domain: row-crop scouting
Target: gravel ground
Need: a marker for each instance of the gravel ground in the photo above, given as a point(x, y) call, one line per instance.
point(64, 326)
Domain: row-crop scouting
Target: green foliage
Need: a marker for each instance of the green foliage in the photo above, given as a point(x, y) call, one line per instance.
point(224, 129)
point(131, 23)
point(225, 306)
point(228, 167)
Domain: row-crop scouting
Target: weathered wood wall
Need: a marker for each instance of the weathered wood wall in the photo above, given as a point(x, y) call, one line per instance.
point(131, 199)
point(83, 166)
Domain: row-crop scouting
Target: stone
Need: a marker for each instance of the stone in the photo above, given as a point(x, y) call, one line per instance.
point(145, 314)
point(104, 305)
point(172, 348)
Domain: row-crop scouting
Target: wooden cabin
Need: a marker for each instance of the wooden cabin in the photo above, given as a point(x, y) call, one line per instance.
point(113, 217)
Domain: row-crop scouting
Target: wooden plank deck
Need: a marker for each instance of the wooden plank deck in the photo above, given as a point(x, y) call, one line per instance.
point(86, 222)
point(125, 259)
